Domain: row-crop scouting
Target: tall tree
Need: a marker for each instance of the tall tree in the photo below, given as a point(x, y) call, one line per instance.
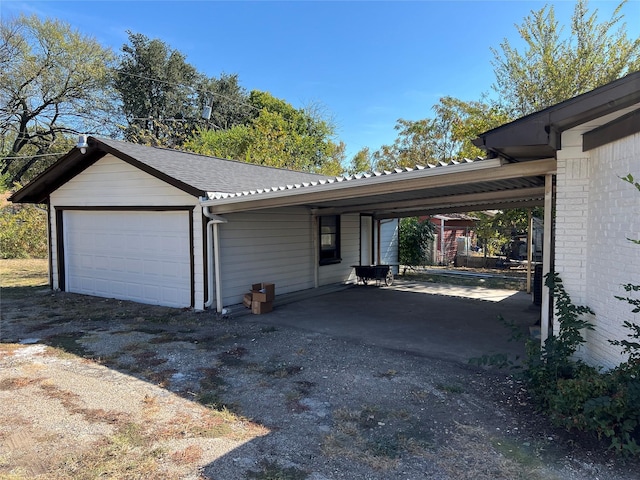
point(53, 84)
point(554, 67)
point(159, 92)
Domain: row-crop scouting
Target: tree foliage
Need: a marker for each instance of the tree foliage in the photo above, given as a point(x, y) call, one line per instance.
point(361, 162)
point(53, 85)
point(228, 101)
point(445, 137)
point(23, 232)
point(554, 67)
point(415, 236)
point(157, 88)
point(277, 135)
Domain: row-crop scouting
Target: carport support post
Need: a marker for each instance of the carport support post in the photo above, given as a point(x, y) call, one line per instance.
point(315, 234)
point(529, 248)
point(546, 256)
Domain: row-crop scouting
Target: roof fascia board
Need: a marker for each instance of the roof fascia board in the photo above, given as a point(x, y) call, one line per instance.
point(532, 129)
point(63, 170)
point(428, 178)
point(597, 103)
point(342, 189)
point(74, 163)
point(612, 131)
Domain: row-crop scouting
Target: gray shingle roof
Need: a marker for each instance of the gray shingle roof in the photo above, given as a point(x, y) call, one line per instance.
point(209, 174)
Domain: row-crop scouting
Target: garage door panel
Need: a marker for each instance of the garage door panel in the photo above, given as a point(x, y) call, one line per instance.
point(139, 256)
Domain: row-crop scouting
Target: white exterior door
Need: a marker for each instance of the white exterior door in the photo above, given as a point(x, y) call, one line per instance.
point(141, 256)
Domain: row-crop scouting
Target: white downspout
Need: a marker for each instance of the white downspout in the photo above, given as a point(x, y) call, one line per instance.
point(213, 267)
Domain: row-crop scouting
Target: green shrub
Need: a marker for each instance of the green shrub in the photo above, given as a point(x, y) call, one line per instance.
point(577, 396)
point(23, 232)
point(415, 236)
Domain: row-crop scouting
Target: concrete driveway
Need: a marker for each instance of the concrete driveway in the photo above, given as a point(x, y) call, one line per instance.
point(435, 320)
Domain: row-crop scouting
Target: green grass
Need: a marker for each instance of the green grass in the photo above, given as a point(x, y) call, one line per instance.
point(32, 272)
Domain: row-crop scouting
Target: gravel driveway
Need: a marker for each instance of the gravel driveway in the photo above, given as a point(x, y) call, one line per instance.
point(95, 388)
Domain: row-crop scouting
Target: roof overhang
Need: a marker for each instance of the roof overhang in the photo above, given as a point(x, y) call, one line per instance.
point(480, 185)
point(539, 135)
point(75, 162)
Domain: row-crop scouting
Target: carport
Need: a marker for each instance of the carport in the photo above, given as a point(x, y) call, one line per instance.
point(468, 185)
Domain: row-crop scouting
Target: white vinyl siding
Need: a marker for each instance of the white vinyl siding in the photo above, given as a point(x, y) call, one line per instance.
point(138, 256)
point(272, 246)
point(276, 246)
point(111, 182)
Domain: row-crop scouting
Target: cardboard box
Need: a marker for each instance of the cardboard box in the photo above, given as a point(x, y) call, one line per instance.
point(263, 292)
point(248, 298)
point(258, 308)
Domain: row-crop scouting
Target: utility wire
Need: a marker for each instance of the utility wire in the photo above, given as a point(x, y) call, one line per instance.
point(144, 77)
point(32, 156)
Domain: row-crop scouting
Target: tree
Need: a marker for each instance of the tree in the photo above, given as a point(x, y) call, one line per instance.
point(553, 68)
point(445, 137)
point(229, 102)
point(361, 162)
point(277, 135)
point(159, 93)
point(53, 85)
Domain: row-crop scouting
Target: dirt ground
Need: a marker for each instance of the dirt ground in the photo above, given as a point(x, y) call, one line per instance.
point(100, 388)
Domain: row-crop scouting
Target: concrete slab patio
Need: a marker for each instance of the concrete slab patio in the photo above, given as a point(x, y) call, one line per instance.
point(434, 320)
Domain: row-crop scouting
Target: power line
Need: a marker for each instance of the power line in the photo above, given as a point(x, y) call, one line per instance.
point(144, 77)
point(31, 156)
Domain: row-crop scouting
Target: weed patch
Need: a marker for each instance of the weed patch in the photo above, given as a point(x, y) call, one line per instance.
point(273, 471)
point(68, 342)
point(362, 435)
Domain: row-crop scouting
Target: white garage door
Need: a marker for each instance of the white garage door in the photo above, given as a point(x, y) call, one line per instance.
point(139, 256)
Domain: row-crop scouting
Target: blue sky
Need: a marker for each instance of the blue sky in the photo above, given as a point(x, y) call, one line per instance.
point(366, 63)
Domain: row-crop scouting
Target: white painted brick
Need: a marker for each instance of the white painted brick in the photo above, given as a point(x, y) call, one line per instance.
point(595, 212)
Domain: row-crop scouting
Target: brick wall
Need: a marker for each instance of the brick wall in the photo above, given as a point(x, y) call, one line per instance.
point(595, 214)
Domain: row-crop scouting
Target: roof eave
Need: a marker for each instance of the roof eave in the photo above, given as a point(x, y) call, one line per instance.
point(75, 162)
point(64, 169)
point(540, 132)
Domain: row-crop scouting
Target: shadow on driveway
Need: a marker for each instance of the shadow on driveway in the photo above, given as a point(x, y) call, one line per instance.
point(434, 320)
